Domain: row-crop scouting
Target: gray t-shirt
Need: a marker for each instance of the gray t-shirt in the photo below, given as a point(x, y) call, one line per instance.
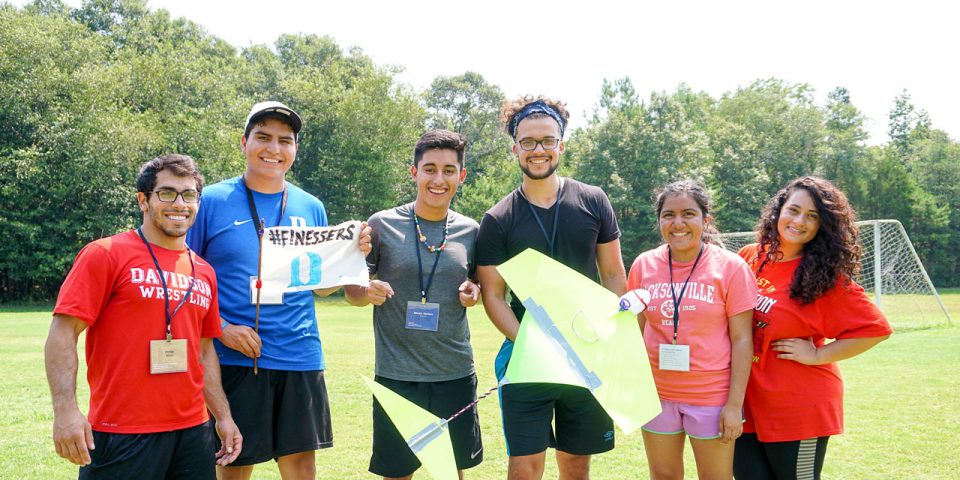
point(418, 355)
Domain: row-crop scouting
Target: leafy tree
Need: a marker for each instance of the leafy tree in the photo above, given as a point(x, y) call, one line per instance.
point(111, 18)
point(45, 181)
point(737, 178)
point(784, 123)
point(843, 161)
point(604, 153)
point(90, 94)
point(630, 148)
point(907, 170)
point(935, 163)
point(47, 8)
point(906, 123)
point(359, 126)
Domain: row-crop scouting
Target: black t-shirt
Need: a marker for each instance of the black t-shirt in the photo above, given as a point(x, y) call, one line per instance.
point(586, 220)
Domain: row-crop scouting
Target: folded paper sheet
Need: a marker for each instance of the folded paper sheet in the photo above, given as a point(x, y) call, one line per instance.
point(426, 435)
point(574, 333)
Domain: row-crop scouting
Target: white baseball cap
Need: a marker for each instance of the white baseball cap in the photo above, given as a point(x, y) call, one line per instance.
point(276, 108)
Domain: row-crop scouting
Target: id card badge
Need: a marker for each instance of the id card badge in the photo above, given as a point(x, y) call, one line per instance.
point(423, 316)
point(276, 299)
point(675, 357)
point(168, 356)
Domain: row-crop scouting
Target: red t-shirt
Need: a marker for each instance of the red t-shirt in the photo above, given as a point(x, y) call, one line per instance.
point(114, 287)
point(721, 286)
point(787, 400)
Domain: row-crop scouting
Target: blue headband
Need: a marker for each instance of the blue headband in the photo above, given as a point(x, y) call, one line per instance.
point(538, 106)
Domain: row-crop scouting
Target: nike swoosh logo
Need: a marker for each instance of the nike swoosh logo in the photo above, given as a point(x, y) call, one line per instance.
point(240, 222)
point(474, 454)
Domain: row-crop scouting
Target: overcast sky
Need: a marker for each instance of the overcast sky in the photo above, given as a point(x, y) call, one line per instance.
point(565, 49)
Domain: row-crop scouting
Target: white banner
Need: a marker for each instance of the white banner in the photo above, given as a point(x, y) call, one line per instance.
point(308, 258)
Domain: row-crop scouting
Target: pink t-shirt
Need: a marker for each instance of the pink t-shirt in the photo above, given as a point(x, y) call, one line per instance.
point(721, 286)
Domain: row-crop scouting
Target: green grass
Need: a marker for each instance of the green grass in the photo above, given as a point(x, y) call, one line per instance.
point(902, 404)
point(912, 311)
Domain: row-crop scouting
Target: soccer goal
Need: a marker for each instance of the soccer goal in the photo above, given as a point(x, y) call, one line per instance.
point(890, 270)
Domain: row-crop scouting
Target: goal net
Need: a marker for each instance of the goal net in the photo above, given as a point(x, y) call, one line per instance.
point(890, 271)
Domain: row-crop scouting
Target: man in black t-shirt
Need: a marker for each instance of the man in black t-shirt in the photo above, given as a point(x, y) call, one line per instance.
point(575, 224)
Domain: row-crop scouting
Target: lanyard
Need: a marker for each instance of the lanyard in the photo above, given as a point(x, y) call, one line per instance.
point(163, 281)
point(673, 291)
point(436, 260)
point(257, 221)
point(552, 238)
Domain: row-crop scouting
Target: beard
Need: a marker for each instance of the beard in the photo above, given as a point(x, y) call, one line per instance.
point(161, 224)
point(539, 176)
point(174, 232)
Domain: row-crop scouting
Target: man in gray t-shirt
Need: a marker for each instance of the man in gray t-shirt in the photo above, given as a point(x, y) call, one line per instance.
point(422, 271)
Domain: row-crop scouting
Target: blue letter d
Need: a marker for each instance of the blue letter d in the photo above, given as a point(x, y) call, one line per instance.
point(311, 262)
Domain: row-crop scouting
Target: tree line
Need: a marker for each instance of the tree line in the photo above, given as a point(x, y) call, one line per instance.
point(88, 94)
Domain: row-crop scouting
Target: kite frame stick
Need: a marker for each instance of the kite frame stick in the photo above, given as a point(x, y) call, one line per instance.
point(590, 379)
point(256, 314)
point(420, 440)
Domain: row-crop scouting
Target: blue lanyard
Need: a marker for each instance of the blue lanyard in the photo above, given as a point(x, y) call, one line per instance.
point(163, 281)
point(673, 292)
point(436, 260)
point(552, 238)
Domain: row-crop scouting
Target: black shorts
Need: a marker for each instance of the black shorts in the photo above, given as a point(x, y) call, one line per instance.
point(179, 454)
point(582, 425)
point(278, 412)
point(796, 460)
point(393, 458)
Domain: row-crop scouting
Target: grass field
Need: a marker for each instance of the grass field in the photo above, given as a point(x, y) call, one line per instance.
point(902, 404)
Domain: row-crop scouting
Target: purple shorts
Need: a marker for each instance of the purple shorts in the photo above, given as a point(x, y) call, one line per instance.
point(702, 423)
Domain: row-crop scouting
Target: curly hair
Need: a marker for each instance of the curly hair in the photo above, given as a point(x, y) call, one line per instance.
point(698, 192)
point(833, 254)
point(511, 108)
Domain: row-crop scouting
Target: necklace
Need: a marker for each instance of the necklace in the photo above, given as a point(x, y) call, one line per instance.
point(423, 238)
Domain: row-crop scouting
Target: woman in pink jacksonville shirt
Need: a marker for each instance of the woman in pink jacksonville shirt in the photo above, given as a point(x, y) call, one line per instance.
point(697, 333)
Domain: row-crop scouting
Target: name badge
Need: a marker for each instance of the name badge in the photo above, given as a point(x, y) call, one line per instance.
point(276, 299)
point(168, 356)
point(675, 357)
point(423, 316)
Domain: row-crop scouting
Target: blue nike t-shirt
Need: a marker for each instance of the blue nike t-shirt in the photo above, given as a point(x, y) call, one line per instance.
point(225, 236)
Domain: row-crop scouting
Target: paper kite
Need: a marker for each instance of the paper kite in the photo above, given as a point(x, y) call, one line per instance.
point(574, 333)
point(427, 436)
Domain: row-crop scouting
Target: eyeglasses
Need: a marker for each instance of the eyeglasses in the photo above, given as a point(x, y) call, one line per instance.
point(170, 196)
point(529, 144)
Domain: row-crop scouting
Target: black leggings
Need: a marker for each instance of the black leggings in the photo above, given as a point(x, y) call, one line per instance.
point(796, 460)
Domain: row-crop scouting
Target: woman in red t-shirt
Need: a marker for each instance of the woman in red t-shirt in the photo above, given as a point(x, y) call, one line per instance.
point(696, 329)
point(805, 262)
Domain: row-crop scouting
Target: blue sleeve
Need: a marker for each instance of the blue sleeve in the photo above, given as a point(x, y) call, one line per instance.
point(322, 221)
point(197, 233)
point(320, 212)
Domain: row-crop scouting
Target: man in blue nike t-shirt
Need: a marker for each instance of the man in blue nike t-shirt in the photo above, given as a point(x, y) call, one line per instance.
point(282, 409)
